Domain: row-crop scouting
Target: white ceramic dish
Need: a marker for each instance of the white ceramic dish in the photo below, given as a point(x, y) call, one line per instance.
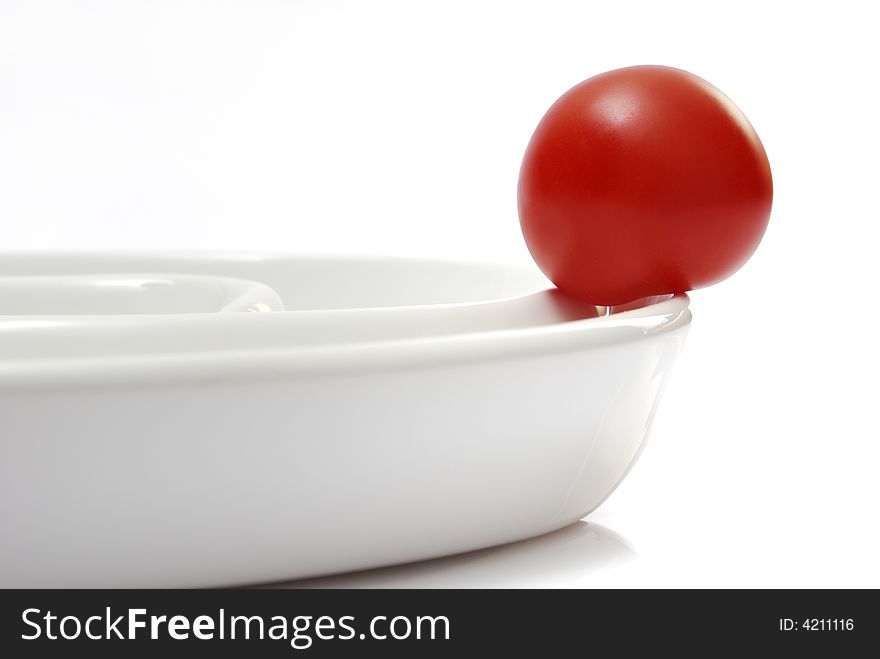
point(396, 410)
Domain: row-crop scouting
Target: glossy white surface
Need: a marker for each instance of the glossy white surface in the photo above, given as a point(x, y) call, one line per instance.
point(217, 449)
point(129, 294)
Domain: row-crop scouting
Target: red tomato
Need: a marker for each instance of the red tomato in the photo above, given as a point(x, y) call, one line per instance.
point(643, 181)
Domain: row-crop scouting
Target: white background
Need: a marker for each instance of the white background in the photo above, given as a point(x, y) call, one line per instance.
point(397, 128)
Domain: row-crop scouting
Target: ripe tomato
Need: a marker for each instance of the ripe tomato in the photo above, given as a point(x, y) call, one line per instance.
point(642, 181)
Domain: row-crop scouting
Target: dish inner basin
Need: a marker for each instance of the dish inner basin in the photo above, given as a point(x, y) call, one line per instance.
point(131, 294)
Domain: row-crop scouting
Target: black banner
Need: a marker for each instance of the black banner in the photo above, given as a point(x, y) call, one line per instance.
point(279, 623)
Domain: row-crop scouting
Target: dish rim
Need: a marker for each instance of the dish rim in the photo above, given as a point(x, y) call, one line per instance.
point(272, 363)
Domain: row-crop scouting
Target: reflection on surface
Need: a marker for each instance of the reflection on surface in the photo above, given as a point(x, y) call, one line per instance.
point(578, 548)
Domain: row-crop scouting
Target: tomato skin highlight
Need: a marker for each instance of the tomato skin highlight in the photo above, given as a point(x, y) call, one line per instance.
point(643, 181)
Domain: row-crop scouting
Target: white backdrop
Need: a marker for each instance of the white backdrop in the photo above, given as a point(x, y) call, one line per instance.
point(397, 128)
